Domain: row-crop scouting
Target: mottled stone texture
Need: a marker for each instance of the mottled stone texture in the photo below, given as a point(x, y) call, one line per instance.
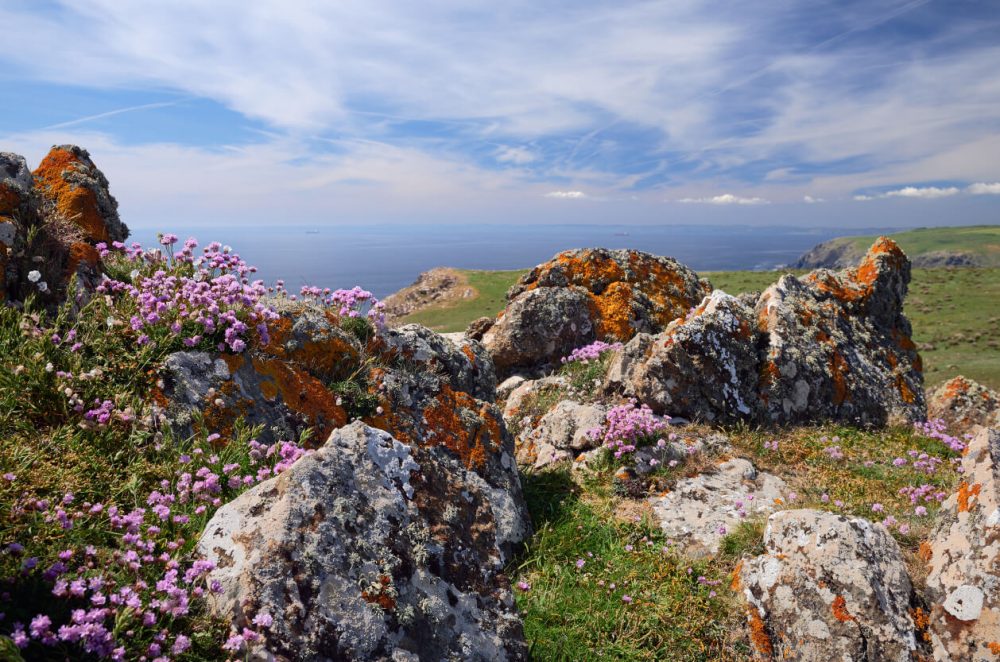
point(561, 433)
point(371, 549)
point(964, 404)
point(585, 295)
point(827, 346)
point(828, 588)
point(963, 583)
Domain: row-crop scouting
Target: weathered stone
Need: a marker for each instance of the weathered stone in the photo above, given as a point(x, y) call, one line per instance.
point(963, 583)
point(466, 363)
point(963, 404)
point(371, 549)
point(700, 511)
point(828, 587)
point(704, 366)
point(478, 327)
point(73, 187)
point(560, 434)
point(513, 408)
point(507, 386)
point(838, 344)
point(585, 295)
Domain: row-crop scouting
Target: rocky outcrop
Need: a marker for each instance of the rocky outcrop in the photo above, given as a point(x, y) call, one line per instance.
point(964, 404)
point(828, 588)
point(441, 285)
point(963, 557)
point(703, 366)
point(699, 511)
point(843, 253)
point(827, 346)
point(586, 295)
point(560, 434)
point(73, 188)
point(49, 223)
point(371, 549)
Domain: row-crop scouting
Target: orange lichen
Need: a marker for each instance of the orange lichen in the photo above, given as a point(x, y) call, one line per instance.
point(303, 394)
point(955, 387)
point(444, 419)
point(76, 203)
point(965, 493)
point(994, 647)
point(585, 270)
point(921, 619)
point(469, 354)
point(381, 597)
point(925, 551)
point(734, 584)
point(82, 253)
point(322, 355)
point(839, 608)
point(10, 200)
point(613, 310)
point(838, 372)
point(758, 634)
point(905, 391)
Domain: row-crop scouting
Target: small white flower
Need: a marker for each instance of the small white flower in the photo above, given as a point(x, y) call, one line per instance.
point(133, 274)
point(111, 321)
point(43, 286)
point(49, 367)
point(34, 276)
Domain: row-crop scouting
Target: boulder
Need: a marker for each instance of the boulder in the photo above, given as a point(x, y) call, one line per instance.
point(838, 345)
point(704, 366)
point(700, 511)
point(964, 404)
point(825, 347)
point(18, 210)
point(371, 549)
point(466, 362)
point(560, 434)
point(74, 189)
point(828, 587)
point(963, 558)
point(585, 295)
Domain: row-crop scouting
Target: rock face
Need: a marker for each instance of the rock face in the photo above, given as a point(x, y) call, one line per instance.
point(67, 206)
point(843, 253)
point(703, 366)
point(69, 181)
point(560, 434)
point(828, 588)
point(828, 346)
point(371, 549)
point(963, 583)
point(963, 404)
point(700, 511)
point(586, 295)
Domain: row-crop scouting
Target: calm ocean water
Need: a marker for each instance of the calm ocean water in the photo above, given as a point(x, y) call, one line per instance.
point(385, 258)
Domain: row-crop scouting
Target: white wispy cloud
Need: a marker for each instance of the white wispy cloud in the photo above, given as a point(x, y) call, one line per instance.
point(926, 192)
point(982, 188)
point(726, 199)
point(811, 200)
point(573, 195)
point(515, 155)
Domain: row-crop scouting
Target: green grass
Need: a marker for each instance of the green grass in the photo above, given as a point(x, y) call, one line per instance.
point(981, 240)
point(492, 289)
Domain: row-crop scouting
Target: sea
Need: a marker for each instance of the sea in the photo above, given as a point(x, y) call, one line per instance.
point(386, 258)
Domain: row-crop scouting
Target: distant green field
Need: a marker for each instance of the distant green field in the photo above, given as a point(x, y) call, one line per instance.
point(492, 287)
point(955, 314)
point(981, 240)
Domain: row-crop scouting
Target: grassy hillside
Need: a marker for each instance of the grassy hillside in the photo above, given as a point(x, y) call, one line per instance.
point(954, 312)
point(982, 241)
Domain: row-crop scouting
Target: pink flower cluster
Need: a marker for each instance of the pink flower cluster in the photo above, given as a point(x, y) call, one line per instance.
point(156, 584)
point(935, 429)
point(591, 352)
point(192, 298)
point(626, 427)
point(348, 303)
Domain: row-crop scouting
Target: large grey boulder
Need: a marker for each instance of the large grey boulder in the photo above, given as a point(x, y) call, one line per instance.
point(828, 587)
point(963, 582)
point(371, 549)
point(699, 511)
point(584, 295)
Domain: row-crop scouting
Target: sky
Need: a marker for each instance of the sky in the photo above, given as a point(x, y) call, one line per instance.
point(870, 113)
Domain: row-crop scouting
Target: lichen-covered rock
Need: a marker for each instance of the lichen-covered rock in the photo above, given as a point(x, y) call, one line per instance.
point(539, 327)
point(838, 344)
point(73, 187)
point(704, 366)
point(515, 402)
point(963, 583)
point(698, 512)
point(828, 587)
point(560, 434)
point(964, 404)
point(371, 549)
point(466, 363)
point(585, 295)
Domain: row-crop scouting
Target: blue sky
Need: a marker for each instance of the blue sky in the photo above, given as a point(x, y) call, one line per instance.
point(868, 113)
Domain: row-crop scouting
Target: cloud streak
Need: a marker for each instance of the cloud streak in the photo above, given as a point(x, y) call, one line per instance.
point(725, 199)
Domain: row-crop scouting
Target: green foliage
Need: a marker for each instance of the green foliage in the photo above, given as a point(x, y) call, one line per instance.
point(354, 397)
point(491, 297)
point(359, 327)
